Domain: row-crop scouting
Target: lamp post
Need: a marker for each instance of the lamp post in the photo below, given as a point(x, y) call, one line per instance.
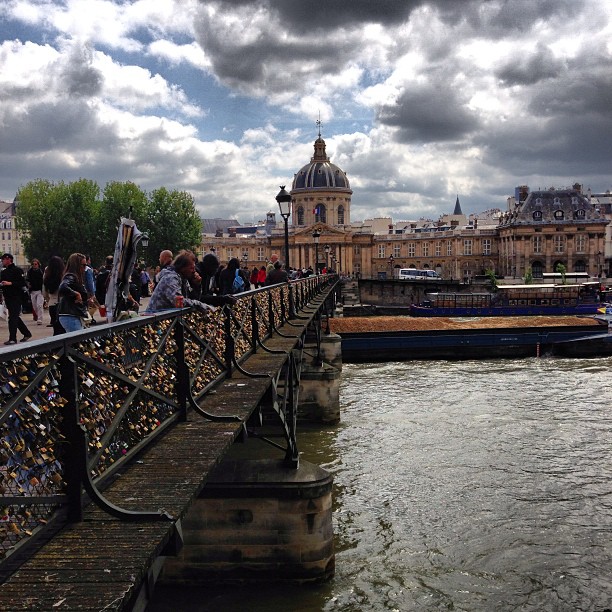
point(316, 234)
point(245, 258)
point(391, 259)
point(327, 249)
point(284, 203)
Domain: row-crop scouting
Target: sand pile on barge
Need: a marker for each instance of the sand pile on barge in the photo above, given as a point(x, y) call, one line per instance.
point(399, 324)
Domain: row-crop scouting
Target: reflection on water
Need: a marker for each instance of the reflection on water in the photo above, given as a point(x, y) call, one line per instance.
point(482, 485)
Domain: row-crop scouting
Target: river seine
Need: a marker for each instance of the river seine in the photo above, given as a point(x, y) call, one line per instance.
point(476, 485)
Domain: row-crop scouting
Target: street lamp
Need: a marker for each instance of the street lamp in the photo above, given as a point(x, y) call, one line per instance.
point(327, 249)
point(316, 234)
point(284, 203)
point(391, 259)
point(245, 258)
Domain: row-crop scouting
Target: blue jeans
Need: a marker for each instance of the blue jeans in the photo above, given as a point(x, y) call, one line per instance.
point(70, 323)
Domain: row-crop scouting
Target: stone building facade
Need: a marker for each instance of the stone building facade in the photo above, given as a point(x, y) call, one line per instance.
point(538, 231)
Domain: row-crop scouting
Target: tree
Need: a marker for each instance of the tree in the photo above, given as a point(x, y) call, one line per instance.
point(490, 274)
point(57, 218)
point(172, 223)
point(561, 269)
point(118, 200)
point(528, 278)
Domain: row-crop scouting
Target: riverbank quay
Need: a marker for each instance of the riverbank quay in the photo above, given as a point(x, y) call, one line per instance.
point(399, 338)
point(109, 435)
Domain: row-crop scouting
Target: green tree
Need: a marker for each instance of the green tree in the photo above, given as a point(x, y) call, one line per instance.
point(118, 200)
point(490, 274)
point(172, 223)
point(57, 218)
point(561, 269)
point(528, 278)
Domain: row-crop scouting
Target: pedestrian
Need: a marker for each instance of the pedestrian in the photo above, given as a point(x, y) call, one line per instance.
point(34, 278)
point(179, 279)
point(278, 275)
point(261, 276)
point(90, 285)
point(72, 307)
point(231, 279)
point(13, 285)
point(208, 269)
point(254, 275)
point(165, 260)
point(102, 280)
point(145, 279)
point(51, 282)
point(270, 266)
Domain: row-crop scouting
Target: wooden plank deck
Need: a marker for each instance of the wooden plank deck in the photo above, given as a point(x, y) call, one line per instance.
point(104, 563)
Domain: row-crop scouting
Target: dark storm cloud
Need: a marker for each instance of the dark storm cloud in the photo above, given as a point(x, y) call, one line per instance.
point(427, 115)
point(79, 77)
point(501, 17)
point(530, 68)
point(65, 125)
point(299, 15)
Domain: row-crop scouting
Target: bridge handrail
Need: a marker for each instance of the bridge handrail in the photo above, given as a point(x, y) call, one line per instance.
point(76, 407)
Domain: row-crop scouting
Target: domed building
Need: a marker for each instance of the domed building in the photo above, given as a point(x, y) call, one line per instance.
point(321, 192)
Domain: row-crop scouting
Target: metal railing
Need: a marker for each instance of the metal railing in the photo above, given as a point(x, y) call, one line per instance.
point(76, 407)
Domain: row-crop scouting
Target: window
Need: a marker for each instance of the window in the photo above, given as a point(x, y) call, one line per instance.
point(558, 214)
point(537, 244)
point(411, 249)
point(300, 215)
point(581, 240)
point(320, 213)
point(449, 248)
point(230, 252)
point(340, 215)
point(357, 249)
point(425, 249)
point(381, 250)
point(467, 247)
point(580, 214)
point(438, 249)
point(486, 246)
point(261, 256)
point(397, 250)
point(559, 244)
point(537, 215)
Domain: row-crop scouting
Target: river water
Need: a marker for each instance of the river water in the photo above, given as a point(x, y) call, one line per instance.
point(474, 485)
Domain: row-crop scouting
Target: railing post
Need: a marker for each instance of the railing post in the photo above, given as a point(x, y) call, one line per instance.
point(182, 374)
point(229, 343)
point(271, 312)
point(254, 325)
point(72, 446)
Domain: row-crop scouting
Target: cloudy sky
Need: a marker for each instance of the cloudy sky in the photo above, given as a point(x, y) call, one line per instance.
point(419, 100)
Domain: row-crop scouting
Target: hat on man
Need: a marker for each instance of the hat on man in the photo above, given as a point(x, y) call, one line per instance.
point(7, 255)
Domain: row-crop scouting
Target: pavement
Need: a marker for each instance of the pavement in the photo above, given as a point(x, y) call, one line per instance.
point(40, 332)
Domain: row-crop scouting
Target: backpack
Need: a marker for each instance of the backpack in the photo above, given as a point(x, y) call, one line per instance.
point(238, 284)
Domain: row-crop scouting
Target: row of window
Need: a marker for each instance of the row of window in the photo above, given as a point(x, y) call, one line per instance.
point(559, 214)
point(320, 213)
point(559, 244)
point(437, 251)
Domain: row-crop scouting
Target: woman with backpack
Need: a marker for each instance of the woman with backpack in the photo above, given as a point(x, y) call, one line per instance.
point(232, 279)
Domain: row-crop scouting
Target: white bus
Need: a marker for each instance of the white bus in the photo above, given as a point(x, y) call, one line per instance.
point(413, 273)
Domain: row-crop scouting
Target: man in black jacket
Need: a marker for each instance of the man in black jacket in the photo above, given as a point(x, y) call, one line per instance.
point(13, 285)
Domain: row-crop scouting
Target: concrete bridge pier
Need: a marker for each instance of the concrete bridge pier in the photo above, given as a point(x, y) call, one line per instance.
point(257, 520)
point(319, 397)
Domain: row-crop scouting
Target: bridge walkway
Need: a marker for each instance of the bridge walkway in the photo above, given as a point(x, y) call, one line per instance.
point(104, 563)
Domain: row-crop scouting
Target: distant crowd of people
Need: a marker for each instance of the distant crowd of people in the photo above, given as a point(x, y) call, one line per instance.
point(73, 291)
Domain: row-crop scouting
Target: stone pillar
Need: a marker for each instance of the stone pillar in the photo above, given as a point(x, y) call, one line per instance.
point(319, 396)
point(257, 520)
